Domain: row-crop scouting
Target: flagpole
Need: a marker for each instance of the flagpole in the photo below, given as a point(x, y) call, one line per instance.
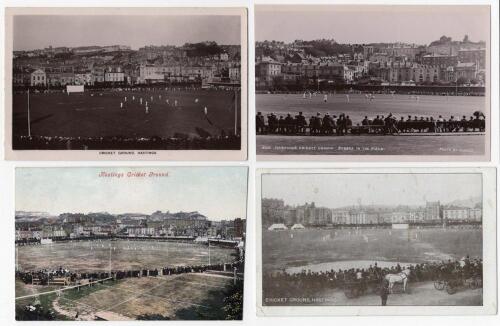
point(29, 122)
point(235, 110)
point(109, 259)
point(209, 263)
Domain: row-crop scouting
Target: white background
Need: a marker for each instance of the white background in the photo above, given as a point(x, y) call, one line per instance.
point(7, 172)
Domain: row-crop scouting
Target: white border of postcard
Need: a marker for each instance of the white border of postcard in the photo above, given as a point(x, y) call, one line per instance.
point(177, 155)
point(489, 306)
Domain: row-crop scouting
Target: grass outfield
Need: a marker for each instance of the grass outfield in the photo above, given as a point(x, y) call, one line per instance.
point(184, 296)
point(91, 114)
point(358, 106)
point(315, 246)
point(125, 255)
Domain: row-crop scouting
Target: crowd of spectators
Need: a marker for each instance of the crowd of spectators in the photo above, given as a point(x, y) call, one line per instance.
point(343, 124)
point(46, 276)
point(304, 283)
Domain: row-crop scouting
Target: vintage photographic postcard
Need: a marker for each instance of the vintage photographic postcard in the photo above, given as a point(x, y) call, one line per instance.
point(130, 243)
point(376, 241)
point(400, 82)
point(126, 83)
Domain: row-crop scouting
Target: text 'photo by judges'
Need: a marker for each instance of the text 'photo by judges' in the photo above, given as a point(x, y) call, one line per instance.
point(402, 82)
point(377, 241)
point(126, 83)
point(130, 243)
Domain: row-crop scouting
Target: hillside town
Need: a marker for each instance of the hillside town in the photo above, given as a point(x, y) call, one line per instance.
point(38, 226)
point(277, 212)
point(320, 64)
point(205, 63)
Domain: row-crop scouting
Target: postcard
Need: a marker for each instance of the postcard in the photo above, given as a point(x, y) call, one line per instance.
point(126, 84)
point(376, 241)
point(130, 243)
point(373, 82)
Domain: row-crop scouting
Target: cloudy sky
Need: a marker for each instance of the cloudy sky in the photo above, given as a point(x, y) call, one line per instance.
point(217, 192)
point(370, 24)
point(340, 190)
point(40, 31)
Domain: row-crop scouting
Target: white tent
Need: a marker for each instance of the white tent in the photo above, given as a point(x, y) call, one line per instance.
point(277, 226)
point(46, 241)
point(74, 89)
point(400, 226)
point(297, 227)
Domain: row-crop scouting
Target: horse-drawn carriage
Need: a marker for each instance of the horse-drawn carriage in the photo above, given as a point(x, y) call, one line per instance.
point(396, 283)
point(357, 288)
point(453, 283)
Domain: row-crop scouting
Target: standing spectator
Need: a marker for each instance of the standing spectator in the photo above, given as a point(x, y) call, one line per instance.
point(384, 292)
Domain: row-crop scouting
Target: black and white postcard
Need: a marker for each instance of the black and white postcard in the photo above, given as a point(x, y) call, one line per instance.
point(126, 83)
point(400, 82)
point(376, 241)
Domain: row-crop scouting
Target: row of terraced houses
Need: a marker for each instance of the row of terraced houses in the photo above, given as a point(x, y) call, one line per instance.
point(119, 65)
point(31, 226)
point(442, 62)
point(276, 211)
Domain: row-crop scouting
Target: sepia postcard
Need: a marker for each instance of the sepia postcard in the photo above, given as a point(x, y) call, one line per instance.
point(130, 243)
point(126, 83)
point(376, 241)
point(399, 82)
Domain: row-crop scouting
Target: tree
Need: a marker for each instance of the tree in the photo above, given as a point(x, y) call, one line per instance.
point(63, 56)
point(278, 81)
point(461, 80)
point(202, 49)
point(233, 303)
point(34, 312)
point(442, 40)
point(320, 48)
point(152, 317)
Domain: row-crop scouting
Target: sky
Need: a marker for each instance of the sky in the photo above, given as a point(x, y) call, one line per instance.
point(340, 190)
point(40, 31)
point(217, 192)
point(370, 24)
